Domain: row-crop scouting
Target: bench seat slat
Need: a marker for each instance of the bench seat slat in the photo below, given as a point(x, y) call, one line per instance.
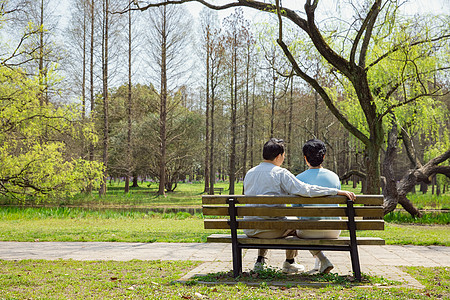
point(243, 239)
point(366, 211)
point(295, 224)
point(271, 199)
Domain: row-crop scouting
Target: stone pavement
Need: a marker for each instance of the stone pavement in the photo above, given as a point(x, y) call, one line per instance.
point(375, 260)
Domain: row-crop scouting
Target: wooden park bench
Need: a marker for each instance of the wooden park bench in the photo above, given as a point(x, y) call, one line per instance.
point(366, 213)
point(219, 190)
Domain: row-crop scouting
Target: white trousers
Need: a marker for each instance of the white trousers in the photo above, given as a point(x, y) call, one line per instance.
point(318, 234)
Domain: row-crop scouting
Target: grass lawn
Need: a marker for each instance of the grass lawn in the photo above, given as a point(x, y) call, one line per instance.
point(66, 224)
point(136, 221)
point(189, 195)
point(68, 279)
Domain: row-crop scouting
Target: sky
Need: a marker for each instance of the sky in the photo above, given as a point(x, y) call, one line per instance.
point(411, 7)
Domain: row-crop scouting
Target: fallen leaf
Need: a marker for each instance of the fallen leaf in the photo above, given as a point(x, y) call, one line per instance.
point(214, 290)
point(113, 278)
point(131, 288)
point(186, 297)
point(198, 295)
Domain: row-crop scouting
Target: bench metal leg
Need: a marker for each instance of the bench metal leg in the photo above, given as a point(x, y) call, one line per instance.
point(353, 243)
point(355, 262)
point(237, 251)
point(237, 260)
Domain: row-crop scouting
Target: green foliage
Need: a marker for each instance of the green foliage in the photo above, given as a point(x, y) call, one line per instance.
point(442, 218)
point(184, 129)
point(33, 136)
point(408, 72)
point(429, 201)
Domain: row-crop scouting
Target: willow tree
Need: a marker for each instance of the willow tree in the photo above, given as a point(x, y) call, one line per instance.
point(37, 163)
point(347, 49)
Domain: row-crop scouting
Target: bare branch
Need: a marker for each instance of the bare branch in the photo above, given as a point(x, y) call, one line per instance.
point(410, 149)
point(323, 94)
point(369, 20)
point(372, 16)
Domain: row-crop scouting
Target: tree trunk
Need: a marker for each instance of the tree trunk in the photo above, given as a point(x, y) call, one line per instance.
point(105, 45)
point(390, 188)
point(128, 170)
point(232, 173)
point(41, 56)
point(135, 181)
point(211, 153)
point(316, 115)
point(289, 135)
point(83, 76)
point(163, 110)
point(252, 126)
point(246, 112)
point(91, 80)
point(272, 115)
point(409, 180)
point(207, 136)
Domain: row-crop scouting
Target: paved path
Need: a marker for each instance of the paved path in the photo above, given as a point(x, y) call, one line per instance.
point(376, 260)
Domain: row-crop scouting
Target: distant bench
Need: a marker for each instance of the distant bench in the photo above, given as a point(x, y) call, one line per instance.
point(232, 208)
point(219, 190)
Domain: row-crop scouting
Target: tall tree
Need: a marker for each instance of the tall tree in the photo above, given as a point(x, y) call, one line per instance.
point(209, 24)
point(105, 58)
point(216, 63)
point(248, 51)
point(92, 12)
point(169, 35)
point(129, 105)
point(235, 25)
point(39, 49)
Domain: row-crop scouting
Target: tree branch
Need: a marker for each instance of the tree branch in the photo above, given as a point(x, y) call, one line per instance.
point(410, 149)
point(400, 46)
point(394, 106)
point(329, 103)
point(321, 45)
point(368, 21)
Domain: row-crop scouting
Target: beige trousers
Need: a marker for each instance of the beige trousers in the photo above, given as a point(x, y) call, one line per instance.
point(275, 234)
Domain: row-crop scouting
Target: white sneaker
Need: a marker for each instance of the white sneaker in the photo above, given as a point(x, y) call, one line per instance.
point(316, 265)
point(292, 268)
point(325, 266)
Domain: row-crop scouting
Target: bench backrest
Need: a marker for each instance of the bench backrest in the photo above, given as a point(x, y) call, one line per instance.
point(367, 211)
